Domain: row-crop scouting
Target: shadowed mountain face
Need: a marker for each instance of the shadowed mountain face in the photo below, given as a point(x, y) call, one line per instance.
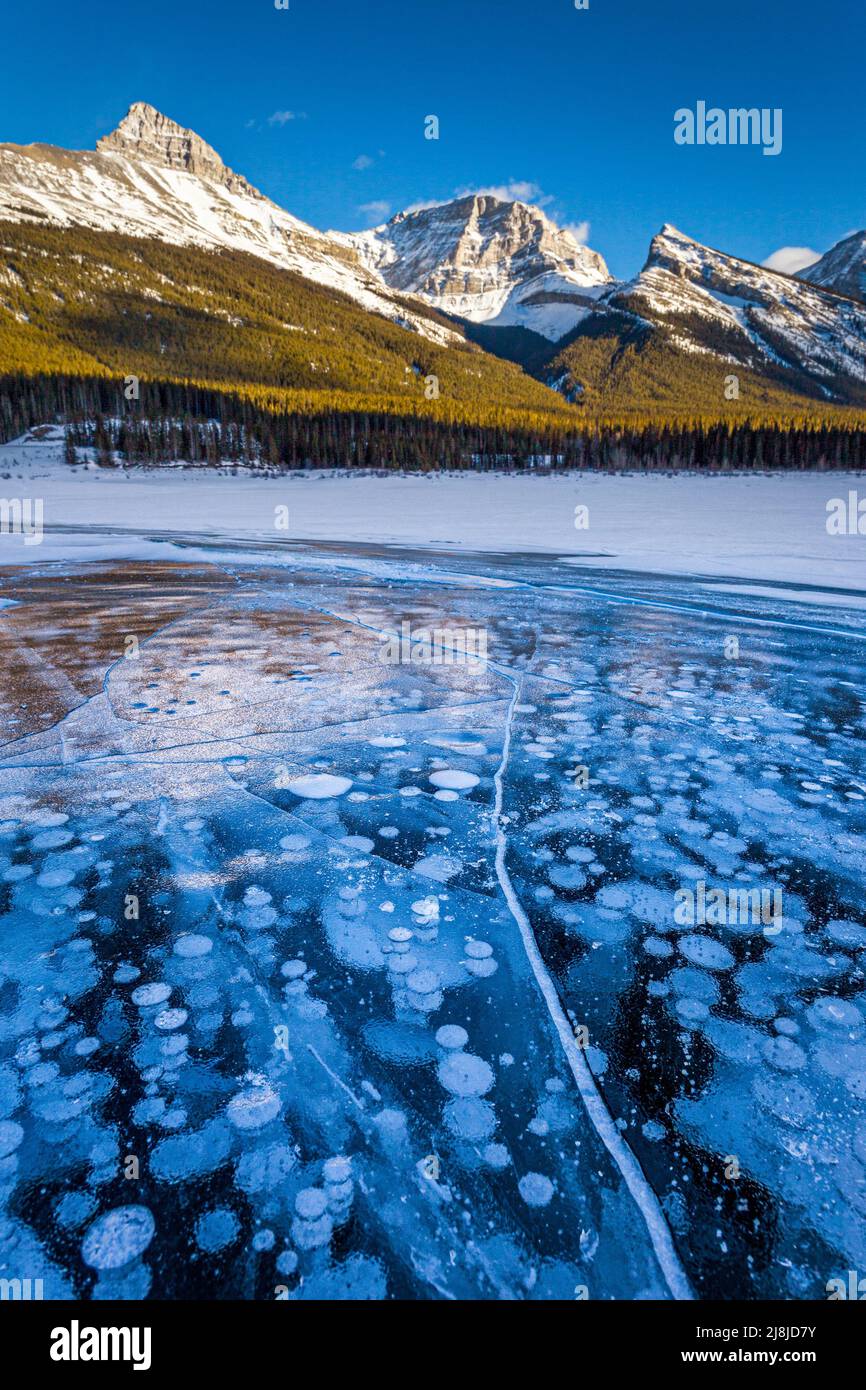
point(843, 269)
point(694, 317)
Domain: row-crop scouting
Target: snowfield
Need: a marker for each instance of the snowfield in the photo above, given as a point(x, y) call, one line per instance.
point(765, 527)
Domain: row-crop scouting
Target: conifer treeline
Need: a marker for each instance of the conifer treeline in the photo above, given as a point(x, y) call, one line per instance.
point(203, 426)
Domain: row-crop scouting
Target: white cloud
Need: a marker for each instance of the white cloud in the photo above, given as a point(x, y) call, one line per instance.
point(376, 212)
point(426, 203)
point(516, 191)
point(362, 162)
point(579, 230)
point(790, 259)
point(283, 117)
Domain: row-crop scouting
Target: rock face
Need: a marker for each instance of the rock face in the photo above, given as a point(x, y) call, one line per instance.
point(843, 269)
point(712, 304)
point(152, 178)
point(488, 260)
point(145, 134)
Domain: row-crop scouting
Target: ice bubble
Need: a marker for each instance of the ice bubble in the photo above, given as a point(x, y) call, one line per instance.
point(294, 969)
point(337, 1170)
point(425, 1003)
point(146, 996)
point(652, 1131)
point(118, 1237)
point(478, 950)
point(169, 1019)
point(319, 786)
point(265, 1169)
point(254, 1107)
point(470, 1118)
point(423, 981)
point(451, 1035)
point(695, 984)
point(452, 779)
point(703, 950)
point(125, 974)
point(387, 741)
point(463, 1074)
point(311, 1203)
point(190, 945)
point(784, 1054)
point(567, 876)
point(834, 1016)
point(535, 1189)
point(438, 866)
point(11, 1135)
point(481, 968)
point(52, 839)
point(55, 878)
point(216, 1229)
point(17, 872)
point(295, 843)
point(845, 933)
point(311, 1235)
point(357, 842)
point(74, 1208)
point(657, 946)
point(496, 1156)
point(426, 909)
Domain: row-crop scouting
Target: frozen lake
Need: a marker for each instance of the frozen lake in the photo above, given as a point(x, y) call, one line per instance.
point(328, 973)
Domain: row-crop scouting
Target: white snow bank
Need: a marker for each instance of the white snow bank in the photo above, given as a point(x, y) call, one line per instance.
point(767, 527)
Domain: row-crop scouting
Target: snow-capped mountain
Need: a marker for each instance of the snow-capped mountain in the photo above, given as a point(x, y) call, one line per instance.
point(490, 261)
point(493, 263)
point(152, 178)
point(714, 303)
point(842, 269)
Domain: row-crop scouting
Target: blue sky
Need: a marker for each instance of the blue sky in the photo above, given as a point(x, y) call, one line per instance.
point(322, 105)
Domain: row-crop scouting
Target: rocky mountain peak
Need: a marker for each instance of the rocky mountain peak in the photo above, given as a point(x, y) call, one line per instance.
point(842, 269)
point(488, 259)
point(146, 134)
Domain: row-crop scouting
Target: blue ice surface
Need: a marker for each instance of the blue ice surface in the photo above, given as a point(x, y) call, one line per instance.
point(270, 1029)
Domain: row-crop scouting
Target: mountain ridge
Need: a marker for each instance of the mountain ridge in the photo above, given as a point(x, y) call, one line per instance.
point(497, 272)
point(488, 260)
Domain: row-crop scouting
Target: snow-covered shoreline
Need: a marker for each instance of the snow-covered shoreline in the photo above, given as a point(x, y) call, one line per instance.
point(761, 527)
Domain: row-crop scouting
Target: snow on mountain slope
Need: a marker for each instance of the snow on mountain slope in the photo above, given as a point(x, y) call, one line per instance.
point(715, 303)
point(152, 178)
point(480, 258)
point(843, 269)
